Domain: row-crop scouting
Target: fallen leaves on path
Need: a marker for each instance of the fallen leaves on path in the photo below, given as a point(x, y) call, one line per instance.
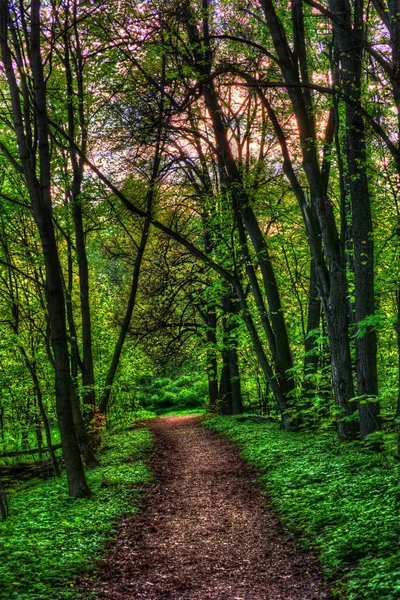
point(204, 533)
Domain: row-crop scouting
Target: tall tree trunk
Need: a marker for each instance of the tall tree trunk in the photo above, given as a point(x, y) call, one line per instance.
point(225, 390)
point(318, 216)
point(241, 206)
point(282, 378)
point(126, 321)
point(212, 369)
point(350, 58)
point(311, 358)
point(39, 398)
point(233, 405)
point(398, 362)
point(209, 315)
point(81, 425)
point(89, 396)
point(87, 367)
point(40, 195)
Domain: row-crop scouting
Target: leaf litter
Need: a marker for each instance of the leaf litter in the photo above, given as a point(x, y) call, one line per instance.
point(204, 532)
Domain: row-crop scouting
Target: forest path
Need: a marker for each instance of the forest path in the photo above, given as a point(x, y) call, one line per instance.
point(203, 533)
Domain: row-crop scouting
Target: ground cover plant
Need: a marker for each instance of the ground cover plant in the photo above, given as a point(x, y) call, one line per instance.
point(342, 500)
point(49, 539)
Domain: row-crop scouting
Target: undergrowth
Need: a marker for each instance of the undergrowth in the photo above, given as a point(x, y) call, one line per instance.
point(180, 413)
point(49, 539)
point(341, 499)
point(16, 443)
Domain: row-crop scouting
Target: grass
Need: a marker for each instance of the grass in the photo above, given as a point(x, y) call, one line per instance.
point(180, 412)
point(340, 499)
point(50, 539)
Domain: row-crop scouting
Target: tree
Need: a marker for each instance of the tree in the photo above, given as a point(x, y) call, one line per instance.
point(30, 124)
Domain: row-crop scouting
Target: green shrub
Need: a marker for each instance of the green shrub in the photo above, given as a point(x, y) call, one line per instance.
point(164, 399)
point(187, 398)
point(185, 392)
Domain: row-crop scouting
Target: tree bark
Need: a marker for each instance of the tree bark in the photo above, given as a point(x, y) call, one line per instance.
point(311, 357)
point(232, 404)
point(350, 58)
point(126, 321)
point(81, 427)
point(212, 367)
point(87, 367)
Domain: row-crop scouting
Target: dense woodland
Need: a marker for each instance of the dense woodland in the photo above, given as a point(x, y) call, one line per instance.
point(198, 190)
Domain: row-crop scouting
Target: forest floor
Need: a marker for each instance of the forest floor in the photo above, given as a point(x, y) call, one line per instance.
point(204, 531)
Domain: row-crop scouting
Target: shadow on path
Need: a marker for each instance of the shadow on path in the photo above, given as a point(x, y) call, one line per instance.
point(203, 533)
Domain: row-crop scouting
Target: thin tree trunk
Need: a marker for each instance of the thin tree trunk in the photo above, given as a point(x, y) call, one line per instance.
point(3, 504)
point(232, 401)
point(81, 427)
point(284, 401)
point(242, 206)
point(225, 389)
point(212, 368)
point(39, 398)
point(398, 361)
point(209, 315)
point(127, 319)
point(311, 358)
point(87, 367)
point(318, 216)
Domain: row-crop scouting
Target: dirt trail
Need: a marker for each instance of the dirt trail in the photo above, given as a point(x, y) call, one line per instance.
point(203, 533)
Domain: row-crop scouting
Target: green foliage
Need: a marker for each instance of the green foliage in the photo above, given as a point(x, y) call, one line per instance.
point(49, 539)
point(336, 497)
point(13, 442)
point(179, 394)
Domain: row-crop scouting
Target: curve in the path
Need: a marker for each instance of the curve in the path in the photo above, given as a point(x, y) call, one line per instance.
point(204, 533)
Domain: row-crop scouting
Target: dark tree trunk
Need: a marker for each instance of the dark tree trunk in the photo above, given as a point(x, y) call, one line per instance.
point(212, 369)
point(42, 411)
point(261, 356)
point(237, 402)
point(398, 360)
point(350, 58)
point(209, 315)
point(89, 396)
point(86, 365)
point(151, 192)
point(283, 359)
point(81, 427)
point(3, 504)
point(225, 390)
point(232, 403)
point(56, 308)
point(126, 321)
point(40, 194)
point(311, 358)
point(318, 216)
point(283, 399)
